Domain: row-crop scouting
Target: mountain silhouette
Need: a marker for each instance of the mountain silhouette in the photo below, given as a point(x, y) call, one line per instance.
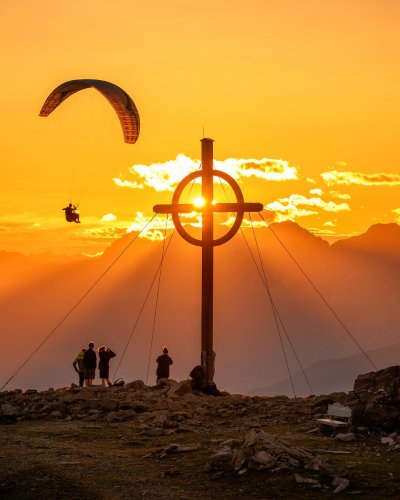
point(331, 375)
point(358, 278)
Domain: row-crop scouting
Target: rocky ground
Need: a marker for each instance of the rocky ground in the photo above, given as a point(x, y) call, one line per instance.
point(167, 442)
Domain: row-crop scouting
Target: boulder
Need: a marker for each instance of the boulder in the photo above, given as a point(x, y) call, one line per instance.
point(347, 437)
point(378, 399)
point(165, 382)
point(180, 388)
point(8, 413)
point(136, 385)
point(383, 383)
point(84, 395)
point(388, 440)
point(221, 461)
point(8, 410)
point(56, 414)
point(261, 450)
point(108, 404)
point(262, 460)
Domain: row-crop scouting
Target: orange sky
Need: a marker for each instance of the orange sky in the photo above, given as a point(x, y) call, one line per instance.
point(312, 86)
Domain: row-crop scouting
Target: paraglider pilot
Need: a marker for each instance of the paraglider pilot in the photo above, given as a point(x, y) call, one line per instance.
point(70, 214)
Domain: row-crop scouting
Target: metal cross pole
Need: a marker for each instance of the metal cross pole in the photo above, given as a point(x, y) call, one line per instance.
point(207, 242)
point(207, 259)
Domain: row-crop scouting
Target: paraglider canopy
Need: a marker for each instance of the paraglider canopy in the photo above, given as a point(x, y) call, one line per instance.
point(121, 102)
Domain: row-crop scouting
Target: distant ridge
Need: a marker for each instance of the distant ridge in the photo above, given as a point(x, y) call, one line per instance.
point(333, 375)
point(381, 240)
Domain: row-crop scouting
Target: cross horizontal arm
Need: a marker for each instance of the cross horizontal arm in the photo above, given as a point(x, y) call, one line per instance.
point(186, 208)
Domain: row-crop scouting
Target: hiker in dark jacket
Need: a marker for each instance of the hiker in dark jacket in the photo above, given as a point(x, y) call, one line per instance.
point(89, 364)
point(163, 363)
point(105, 355)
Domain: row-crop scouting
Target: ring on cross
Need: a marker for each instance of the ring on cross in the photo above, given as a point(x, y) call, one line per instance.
point(176, 208)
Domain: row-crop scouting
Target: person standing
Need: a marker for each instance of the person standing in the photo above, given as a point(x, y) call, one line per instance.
point(89, 364)
point(104, 359)
point(163, 364)
point(78, 366)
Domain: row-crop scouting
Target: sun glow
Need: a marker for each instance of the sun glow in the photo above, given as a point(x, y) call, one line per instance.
point(199, 202)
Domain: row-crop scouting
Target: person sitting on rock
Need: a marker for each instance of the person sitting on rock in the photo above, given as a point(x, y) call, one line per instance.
point(197, 375)
point(199, 384)
point(163, 364)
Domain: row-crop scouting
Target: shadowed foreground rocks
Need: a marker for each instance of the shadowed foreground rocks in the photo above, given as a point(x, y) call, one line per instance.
point(167, 408)
point(375, 404)
point(169, 442)
point(262, 451)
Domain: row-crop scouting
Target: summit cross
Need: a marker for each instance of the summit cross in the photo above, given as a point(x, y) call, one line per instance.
point(207, 241)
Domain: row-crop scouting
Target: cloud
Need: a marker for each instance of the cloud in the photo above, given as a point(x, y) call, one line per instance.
point(329, 233)
point(154, 231)
point(109, 218)
point(266, 169)
point(330, 223)
point(166, 176)
point(37, 233)
point(99, 233)
point(341, 196)
point(358, 178)
point(159, 176)
point(316, 191)
point(21, 221)
point(93, 255)
point(297, 205)
point(124, 183)
point(397, 212)
point(254, 222)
